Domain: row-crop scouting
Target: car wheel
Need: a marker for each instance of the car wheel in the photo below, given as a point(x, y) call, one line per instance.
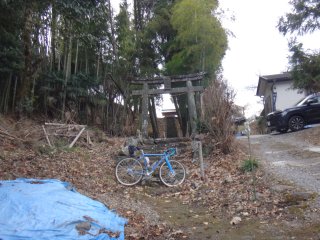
point(296, 123)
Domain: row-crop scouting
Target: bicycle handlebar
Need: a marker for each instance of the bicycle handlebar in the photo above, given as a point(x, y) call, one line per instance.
point(171, 151)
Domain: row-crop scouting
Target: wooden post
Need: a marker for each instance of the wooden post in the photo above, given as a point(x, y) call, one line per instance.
point(192, 109)
point(144, 118)
point(201, 160)
point(89, 139)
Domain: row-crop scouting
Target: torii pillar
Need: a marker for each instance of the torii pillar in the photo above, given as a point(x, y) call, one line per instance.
point(192, 109)
point(144, 119)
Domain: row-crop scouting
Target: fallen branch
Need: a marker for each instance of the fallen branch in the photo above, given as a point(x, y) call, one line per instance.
point(6, 134)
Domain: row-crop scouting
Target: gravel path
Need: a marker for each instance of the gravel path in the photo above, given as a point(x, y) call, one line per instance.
point(290, 157)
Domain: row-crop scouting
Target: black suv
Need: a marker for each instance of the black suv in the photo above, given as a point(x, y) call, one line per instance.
point(306, 111)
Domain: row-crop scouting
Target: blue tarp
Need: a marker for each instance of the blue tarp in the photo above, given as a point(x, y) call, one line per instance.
point(51, 209)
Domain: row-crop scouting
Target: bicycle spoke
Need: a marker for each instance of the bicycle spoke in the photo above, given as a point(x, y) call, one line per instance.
point(172, 178)
point(129, 171)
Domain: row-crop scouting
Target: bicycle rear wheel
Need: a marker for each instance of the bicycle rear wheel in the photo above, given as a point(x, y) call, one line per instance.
point(129, 171)
point(172, 179)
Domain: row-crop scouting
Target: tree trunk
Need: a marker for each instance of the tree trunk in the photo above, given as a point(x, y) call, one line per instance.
point(113, 39)
point(24, 88)
point(14, 93)
point(176, 105)
point(32, 90)
point(5, 93)
point(67, 76)
point(2, 93)
point(76, 60)
point(192, 110)
point(59, 62)
point(153, 118)
point(53, 37)
point(137, 15)
point(98, 63)
point(65, 56)
point(87, 62)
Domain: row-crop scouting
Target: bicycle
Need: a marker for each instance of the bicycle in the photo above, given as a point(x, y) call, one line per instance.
point(129, 171)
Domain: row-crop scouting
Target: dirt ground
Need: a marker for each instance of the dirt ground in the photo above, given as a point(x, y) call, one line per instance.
point(294, 156)
point(267, 206)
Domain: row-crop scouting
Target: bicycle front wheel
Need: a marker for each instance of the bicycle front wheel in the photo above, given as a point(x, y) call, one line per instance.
point(174, 178)
point(129, 171)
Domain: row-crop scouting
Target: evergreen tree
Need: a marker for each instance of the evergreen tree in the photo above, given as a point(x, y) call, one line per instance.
point(305, 66)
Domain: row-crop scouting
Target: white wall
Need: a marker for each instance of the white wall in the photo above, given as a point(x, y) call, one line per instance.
point(286, 96)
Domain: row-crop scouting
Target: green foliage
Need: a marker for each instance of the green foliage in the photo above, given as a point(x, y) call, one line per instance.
point(305, 68)
point(125, 35)
point(202, 127)
point(249, 165)
point(26, 105)
point(303, 19)
point(62, 145)
point(201, 41)
point(11, 51)
point(45, 150)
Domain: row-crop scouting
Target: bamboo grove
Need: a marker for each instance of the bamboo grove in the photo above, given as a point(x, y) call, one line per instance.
point(72, 60)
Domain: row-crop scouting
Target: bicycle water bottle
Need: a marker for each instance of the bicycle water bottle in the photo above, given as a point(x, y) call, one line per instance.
point(147, 161)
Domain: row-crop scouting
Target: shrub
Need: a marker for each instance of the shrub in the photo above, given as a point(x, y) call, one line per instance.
point(249, 165)
point(217, 114)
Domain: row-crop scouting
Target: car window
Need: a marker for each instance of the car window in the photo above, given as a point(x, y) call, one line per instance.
point(315, 100)
point(300, 102)
point(303, 101)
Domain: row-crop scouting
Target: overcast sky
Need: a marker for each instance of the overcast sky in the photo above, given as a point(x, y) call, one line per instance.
point(257, 48)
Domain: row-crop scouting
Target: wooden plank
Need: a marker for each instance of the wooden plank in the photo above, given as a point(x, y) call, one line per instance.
point(170, 91)
point(76, 138)
point(47, 137)
point(64, 125)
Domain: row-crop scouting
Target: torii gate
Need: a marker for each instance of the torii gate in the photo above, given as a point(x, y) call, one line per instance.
point(189, 89)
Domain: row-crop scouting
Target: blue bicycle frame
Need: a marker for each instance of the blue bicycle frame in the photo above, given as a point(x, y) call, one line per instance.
point(164, 157)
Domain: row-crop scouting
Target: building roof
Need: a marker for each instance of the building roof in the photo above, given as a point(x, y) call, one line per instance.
point(169, 112)
point(264, 80)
